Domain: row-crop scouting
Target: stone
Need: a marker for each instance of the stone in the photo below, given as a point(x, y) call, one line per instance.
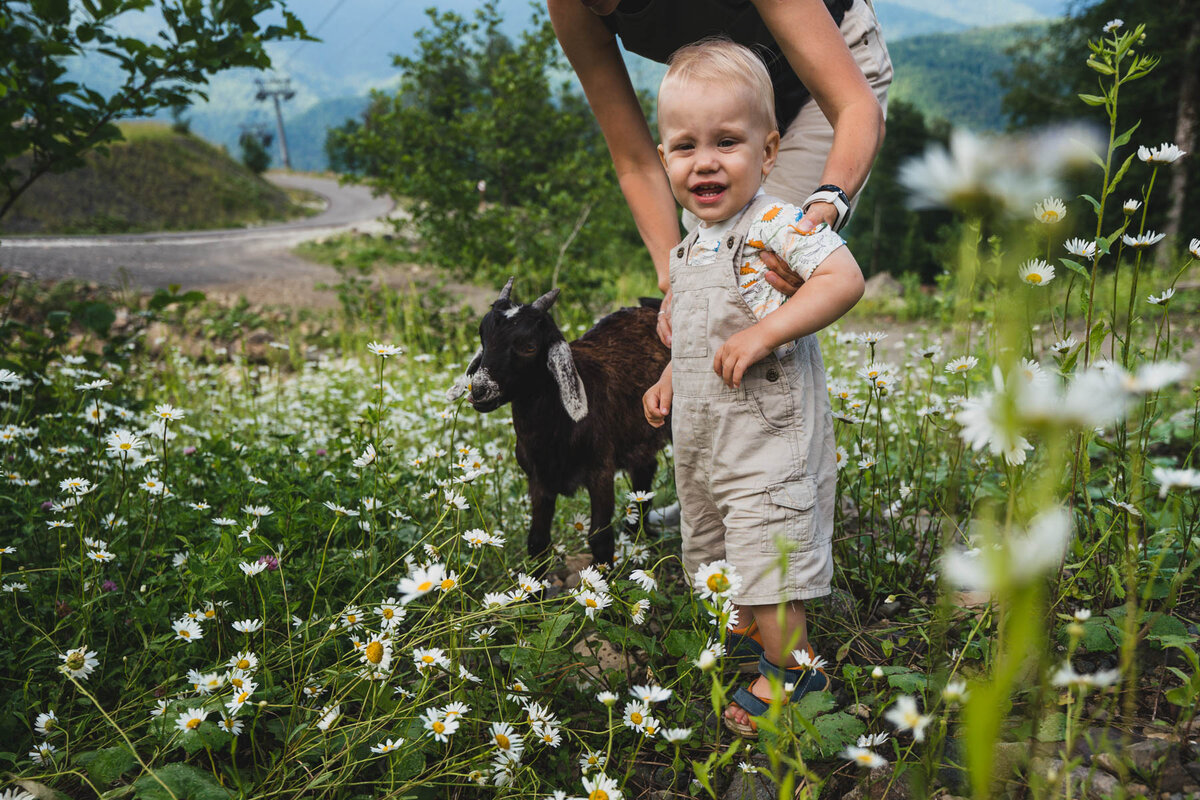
point(749, 786)
point(1096, 784)
point(882, 286)
point(878, 785)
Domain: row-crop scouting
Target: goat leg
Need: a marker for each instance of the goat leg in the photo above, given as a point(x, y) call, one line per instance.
point(541, 502)
point(600, 536)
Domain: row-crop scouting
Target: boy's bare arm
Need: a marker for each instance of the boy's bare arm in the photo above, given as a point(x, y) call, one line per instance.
point(832, 290)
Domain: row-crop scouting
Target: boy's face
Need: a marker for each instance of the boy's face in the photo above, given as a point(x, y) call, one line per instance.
point(714, 150)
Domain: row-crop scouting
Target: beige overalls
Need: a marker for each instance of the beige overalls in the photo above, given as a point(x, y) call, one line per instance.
point(755, 466)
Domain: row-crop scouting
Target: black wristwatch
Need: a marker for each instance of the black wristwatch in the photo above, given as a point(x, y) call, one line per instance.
point(835, 195)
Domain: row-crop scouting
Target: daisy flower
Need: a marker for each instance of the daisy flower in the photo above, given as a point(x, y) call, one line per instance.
point(329, 715)
point(46, 723)
point(1082, 615)
point(429, 657)
point(548, 735)
point(1163, 298)
point(191, 719)
point(1027, 554)
point(422, 581)
point(1131, 206)
point(806, 661)
point(1050, 210)
point(390, 613)
point(601, 787)
point(1194, 248)
point(188, 630)
point(1128, 508)
point(1067, 676)
point(1064, 345)
point(168, 412)
point(638, 614)
point(251, 568)
point(674, 735)
point(1142, 240)
point(1080, 247)
point(640, 497)
point(606, 698)
point(384, 350)
point(962, 365)
point(635, 715)
point(1168, 479)
point(708, 656)
point(231, 725)
point(955, 691)
point(591, 760)
point(352, 618)
point(650, 693)
point(1165, 153)
point(100, 555)
point(76, 486)
point(248, 625)
point(383, 748)
point(864, 757)
point(456, 709)
point(79, 663)
point(1036, 272)
point(367, 457)
point(439, 726)
point(717, 580)
point(593, 603)
point(873, 739)
point(43, 753)
point(506, 740)
point(1113, 24)
point(905, 716)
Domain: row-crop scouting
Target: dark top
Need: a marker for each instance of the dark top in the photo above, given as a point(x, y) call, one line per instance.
point(655, 29)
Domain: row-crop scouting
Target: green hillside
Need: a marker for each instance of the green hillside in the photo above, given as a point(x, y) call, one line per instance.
point(953, 75)
point(155, 180)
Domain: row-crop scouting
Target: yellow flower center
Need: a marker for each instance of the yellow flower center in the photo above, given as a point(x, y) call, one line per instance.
point(75, 661)
point(427, 659)
point(352, 618)
point(243, 663)
point(502, 741)
point(236, 683)
point(448, 584)
point(591, 603)
point(185, 633)
point(425, 587)
point(598, 794)
point(439, 727)
point(210, 613)
point(193, 723)
point(375, 652)
point(1033, 277)
point(388, 613)
point(636, 718)
point(717, 583)
point(243, 697)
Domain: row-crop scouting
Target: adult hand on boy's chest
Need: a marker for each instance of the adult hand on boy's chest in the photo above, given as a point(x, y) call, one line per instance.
point(740, 351)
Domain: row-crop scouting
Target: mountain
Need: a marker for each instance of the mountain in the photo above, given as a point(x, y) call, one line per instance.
point(359, 38)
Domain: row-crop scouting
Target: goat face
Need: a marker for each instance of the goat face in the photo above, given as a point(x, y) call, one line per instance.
point(519, 343)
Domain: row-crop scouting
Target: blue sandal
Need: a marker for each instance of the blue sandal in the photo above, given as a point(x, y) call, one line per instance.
point(805, 680)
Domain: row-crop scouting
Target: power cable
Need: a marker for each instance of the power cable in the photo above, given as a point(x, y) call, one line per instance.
point(328, 16)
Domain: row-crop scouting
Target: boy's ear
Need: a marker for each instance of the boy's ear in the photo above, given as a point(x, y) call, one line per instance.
point(770, 152)
point(662, 156)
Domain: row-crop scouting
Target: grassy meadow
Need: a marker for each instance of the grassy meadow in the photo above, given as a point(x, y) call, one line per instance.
point(286, 566)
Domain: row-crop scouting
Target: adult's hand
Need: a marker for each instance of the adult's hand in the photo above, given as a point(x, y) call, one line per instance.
point(664, 319)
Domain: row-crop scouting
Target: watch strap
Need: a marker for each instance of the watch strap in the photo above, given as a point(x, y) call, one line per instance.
point(835, 196)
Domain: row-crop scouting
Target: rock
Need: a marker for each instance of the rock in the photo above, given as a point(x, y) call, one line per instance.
point(1009, 757)
point(749, 786)
point(882, 286)
point(878, 785)
point(1094, 784)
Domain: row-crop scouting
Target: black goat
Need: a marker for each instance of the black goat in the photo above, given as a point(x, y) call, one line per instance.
point(577, 408)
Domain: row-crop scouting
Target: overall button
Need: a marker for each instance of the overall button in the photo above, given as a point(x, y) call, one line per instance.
point(772, 374)
point(679, 253)
point(729, 243)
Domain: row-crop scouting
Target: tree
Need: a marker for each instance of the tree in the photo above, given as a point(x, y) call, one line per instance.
point(1048, 76)
point(254, 151)
point(475, 106)
point(49, 122)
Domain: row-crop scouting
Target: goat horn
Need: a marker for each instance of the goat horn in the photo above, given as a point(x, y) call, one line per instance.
point(545, 301)
point(507, 290)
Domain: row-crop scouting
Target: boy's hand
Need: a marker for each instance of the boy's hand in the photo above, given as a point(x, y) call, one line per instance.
point(656, 402)
point(740, 351)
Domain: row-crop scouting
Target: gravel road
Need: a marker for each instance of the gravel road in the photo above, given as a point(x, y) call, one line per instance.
point(242, 258)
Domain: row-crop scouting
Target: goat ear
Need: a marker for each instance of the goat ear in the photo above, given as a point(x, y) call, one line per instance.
point(545, 301)
point(507, 290)
point(460, 386)
point(570, 385)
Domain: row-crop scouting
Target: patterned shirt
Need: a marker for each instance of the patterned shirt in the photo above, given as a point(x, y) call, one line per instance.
point(777, 232)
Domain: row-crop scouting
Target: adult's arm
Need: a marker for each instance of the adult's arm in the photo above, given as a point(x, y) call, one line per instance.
point(817, 52)
point(592, 50)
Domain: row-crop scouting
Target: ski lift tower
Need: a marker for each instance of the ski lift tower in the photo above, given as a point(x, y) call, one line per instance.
point(276, 88)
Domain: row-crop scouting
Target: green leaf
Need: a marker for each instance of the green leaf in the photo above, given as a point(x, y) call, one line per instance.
point(908, 682)
point(838, 730)
point(1076, 267)
point(1120, 173)
point(1093, 99)
point(550, 632)
point(814, 703)
point(97, 317)
point(1124, 138)
point(1094, 202)
point(1103, 69)
point(105, 766)
point(1053, 727)
point(1098, 331)
point(185, 782)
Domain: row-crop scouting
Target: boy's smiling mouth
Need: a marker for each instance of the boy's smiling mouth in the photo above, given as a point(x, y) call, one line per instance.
point(708, 192)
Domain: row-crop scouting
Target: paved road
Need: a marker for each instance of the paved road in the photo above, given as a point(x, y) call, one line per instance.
point(202, 258)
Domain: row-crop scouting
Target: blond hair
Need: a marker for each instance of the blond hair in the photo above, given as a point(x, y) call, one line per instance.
point(724, 62)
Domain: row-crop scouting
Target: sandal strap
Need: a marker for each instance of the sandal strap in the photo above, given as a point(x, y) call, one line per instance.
point(805, 679)
point(750, 702)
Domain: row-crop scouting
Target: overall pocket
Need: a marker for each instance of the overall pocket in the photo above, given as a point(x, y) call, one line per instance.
point(771, 405)
point(788, 510)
